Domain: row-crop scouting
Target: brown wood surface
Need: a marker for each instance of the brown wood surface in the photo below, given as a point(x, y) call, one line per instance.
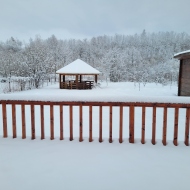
point(23, 121)
point(32, 122)
point(164, 135)
point(71, 122)
point(80, 124)
point(187, 125)
point(86, 103)
point(61, 122)
point(90, 123)
point(42, 121)
point(143, 125)
point(179, 78)
point(51, 122)
point(154, 126)
point(14, 121)
point(4, 115)
point(100, 124)
point(110, 125)
point(131, 124)
point(175, 141)
point(121, 125)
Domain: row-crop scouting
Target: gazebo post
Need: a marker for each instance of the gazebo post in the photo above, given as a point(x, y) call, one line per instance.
point(76, 81)
point(96, 78)
point(80, 78)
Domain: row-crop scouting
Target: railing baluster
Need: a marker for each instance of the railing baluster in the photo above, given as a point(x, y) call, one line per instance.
point(71, 122)
point(110, 128)
point(4, 113)
point(23, 121)
point(121, 125)
point(187, 125)
point(131, 124)
point(14, 121)
point(154, 126)
point(51, 122)
point(32, 121)
point(42, 121)
point(80, 124)
point(90, 123)
point(176, 126)
point(100, 124)
point(164, 135)
point(143, 125)
point(61, 122)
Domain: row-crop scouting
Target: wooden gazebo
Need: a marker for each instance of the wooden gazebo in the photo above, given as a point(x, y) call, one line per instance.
point(184, 73)
point(77, 70)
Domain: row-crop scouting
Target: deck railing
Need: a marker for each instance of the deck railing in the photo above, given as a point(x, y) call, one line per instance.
point(121, 106)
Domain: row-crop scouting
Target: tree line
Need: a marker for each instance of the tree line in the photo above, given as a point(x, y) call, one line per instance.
point(139, 58)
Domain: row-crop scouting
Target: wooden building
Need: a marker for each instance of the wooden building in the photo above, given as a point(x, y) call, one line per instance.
point(184, 73)
point(73, 75)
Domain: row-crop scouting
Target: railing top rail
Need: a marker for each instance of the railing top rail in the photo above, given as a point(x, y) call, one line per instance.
point(96, 103)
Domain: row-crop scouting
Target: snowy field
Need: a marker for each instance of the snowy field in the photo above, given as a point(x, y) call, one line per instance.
point(44, 164)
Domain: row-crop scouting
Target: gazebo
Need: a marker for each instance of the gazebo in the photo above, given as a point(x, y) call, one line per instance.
point(184, 73)
point(78, 69)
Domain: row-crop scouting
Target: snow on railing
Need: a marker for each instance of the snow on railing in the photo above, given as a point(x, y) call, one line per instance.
point(36, 109)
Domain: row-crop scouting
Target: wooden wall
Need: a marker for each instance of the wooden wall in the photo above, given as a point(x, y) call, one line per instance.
point(184, 80)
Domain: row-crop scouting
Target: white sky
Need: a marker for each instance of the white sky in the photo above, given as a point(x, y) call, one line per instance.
point(66, 19)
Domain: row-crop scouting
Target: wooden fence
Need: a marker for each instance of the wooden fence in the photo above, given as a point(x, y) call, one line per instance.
point(121, 105)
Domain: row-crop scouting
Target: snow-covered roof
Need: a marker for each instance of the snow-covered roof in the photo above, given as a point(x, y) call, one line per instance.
point(78, 67)
point(183, 53)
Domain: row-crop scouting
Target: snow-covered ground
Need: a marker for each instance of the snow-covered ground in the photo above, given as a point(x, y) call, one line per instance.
point(44, 164)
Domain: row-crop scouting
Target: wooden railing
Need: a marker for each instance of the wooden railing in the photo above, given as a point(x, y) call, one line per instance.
point(121, 106)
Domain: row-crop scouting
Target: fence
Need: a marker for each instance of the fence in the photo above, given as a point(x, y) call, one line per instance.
point(100, 105)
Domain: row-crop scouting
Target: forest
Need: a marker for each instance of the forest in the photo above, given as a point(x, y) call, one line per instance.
point(138, 58)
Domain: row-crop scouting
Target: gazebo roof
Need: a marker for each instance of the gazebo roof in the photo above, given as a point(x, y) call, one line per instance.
point(78, 67)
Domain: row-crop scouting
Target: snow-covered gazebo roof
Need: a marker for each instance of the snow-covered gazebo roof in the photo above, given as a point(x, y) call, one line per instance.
point(78, 67)
point(183, 54)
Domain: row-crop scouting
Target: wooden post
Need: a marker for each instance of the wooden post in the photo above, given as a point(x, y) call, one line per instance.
point(187, 125)
point(96, 78)
point(131, 124)
point(100, 124)
point(42, 121)
point(121, 125)
point(14, 121)
point(4, 113)
point(32, 121)
point(154, 126)
point(164, 127)
point(180, 76)
point(77, 81)
point(60, 81)
point(110, 129)
point(80, 124)
point(80, 78)
point(23, 121)
point(90, 123)
point(61, 122)
point(176, 126)
point(51, 122)
point(143, 125)
point(71, 122)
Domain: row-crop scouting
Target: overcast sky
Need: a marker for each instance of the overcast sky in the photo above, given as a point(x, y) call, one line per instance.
point(80, 19)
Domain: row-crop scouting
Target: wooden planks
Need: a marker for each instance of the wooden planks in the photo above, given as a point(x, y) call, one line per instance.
point(51, 122)
point(100, 124)
point(90, 124)
point(110, 126)
point(121, 125)
point(61, 122)
point(80, 124)
point(176, 127)
point(32, 122)
point(71, 122)
point(154, 126)
point(42, 121)
point(187, 125)
point(4, 115)
point(164, 134)
point(14, 121)
point(131, 124)
point(143, 125)
point(23, 121)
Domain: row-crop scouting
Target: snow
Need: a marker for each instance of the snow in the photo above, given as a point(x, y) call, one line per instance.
point(78, 67)
point(54, 164)
point(113, 92)
point(183, 52)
